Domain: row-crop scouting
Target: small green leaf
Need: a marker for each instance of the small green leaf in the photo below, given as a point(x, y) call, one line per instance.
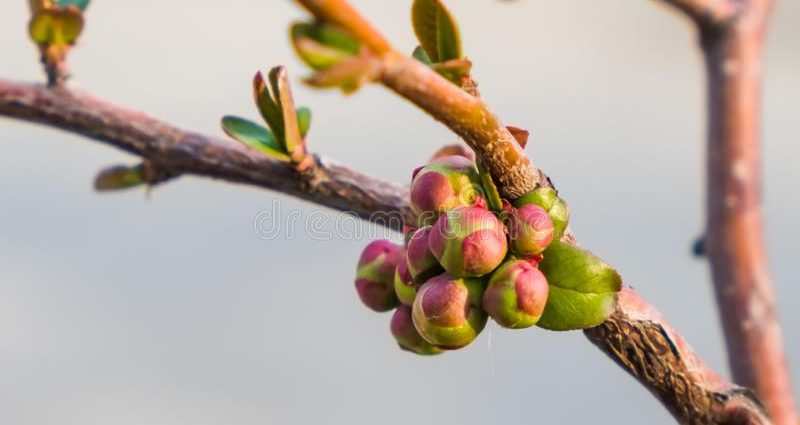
point(420, 55)
point(304, 120)
point(492, 194)
point(583, 289)
point(253, 135)
point(322, 46)
point(454, 70)
point(436, 30)
point(282, 91)
point(80, 4)
point(119, 177)
point(268, 107)
point(349, 76)
point(327, 35)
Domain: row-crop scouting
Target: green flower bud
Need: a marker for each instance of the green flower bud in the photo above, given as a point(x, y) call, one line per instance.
point(468, 241)
point(530, 229)
point(442, 185)
point(375, 275)
point(557, 209)
point(406, 335)
point(447, 312)
point(516, 295)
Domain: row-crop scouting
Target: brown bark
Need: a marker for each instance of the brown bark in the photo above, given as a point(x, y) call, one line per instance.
point(735, 233)
point(184, 152)
point(635, 335)
point(640, 340)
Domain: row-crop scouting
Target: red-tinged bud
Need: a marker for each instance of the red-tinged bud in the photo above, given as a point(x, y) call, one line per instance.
point(548, 199)
point(442, 185)
point(531, 230)
point(516, 295)
point(468, 242)
point(406, 334)
point(447, 312)
point(455, 149)
point(375, 275)
point(421, 262)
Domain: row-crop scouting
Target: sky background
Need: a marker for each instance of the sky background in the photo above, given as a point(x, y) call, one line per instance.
point(119, 309)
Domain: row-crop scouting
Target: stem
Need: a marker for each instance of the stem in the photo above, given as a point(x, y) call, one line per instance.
point(177, 151)
point(467, 115)
point(735, 238)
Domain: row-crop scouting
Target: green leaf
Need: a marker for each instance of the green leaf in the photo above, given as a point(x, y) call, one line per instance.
point(436, 30)
point(282, 91)
point(349, 76)
point(327, 35)
point(490, 189)
point(119, 177)
point(420, 55)
point(253, 135)
point(583, 289)
point(322, 46)
point(304, 120)
point(268, 108)
point(80, 4)
point(454, 70)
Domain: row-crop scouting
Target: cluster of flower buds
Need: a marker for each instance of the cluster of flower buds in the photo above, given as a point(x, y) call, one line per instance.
point(462, 262)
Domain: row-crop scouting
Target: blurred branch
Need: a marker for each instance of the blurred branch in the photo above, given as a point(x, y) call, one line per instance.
point(734, 244)
point(714, 13)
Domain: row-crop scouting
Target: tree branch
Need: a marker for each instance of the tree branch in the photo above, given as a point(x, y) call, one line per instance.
point(735, 233)
point(184, 152)
point(467, 115)
point(712, 13)
point(641, 341)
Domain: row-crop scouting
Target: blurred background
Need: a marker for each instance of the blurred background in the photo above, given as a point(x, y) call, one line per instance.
point(123, 309)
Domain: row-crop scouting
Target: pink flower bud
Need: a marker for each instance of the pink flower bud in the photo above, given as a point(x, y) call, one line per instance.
point(447, 312)
point(531, 230)
point(421, 262)
point(442, 185)
point(406, 334)
point(516, 295)
point(375, 275)
point(468, 242)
